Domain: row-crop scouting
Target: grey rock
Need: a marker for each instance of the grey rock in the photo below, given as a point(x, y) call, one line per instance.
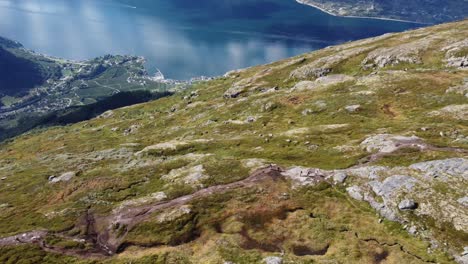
point(270, 106)
point(459, 62)
point(65, 177)
point(407, 204)
point(461, 89)
point(371, 172)
point(353, 108)
point(307, 112)
point(463, 201)
point(355, 192)
point(305, 176)
point(413, 230)
point(107, 114)
point(463, 258)
point(323, 66)
point(131, 130)
point(443, 169)
point(250, 119)
point(322, 82)
point(403, 53)
point(459, 112)
point(383, 210)
point(387, 143)
point(340, 177)
point(391, 185)
point(305, 85)
point(234, 91)
point(273, 260)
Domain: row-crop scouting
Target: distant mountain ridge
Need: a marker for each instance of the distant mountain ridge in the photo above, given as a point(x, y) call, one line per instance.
point(423, 11)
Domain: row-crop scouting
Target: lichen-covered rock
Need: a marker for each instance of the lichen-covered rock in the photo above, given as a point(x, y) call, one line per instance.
point(443, 169)
point(107, 114)
point(173, 214)
point(454, 54)
point(355, 192)
point(367, 172)
point(323, 66)
point(463, 201)
point(353, 108)
point(65, 177)
point(304, 176)
point(386, 143)
point(340, 177)
point(234, 91)
point(459, 112)
point(152, 198)
point(459, 89)
point(187, 175)
point(404, 53)
point(323, 82)
point(392, 185)
point(273, 260)
point(407, 204)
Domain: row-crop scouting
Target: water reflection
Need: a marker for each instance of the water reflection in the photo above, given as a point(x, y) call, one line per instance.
point(182, 38)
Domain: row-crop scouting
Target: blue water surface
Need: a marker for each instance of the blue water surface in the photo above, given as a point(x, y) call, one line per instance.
point(183, 38)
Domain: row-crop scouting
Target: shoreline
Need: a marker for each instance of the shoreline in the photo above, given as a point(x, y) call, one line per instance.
point(363, 17)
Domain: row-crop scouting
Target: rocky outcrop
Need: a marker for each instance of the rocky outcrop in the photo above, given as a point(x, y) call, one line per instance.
point(404, 53)
point(273, 260)
point(460, 89)
point(443, 170)
point(455, 54)
point(322, 82)
point(65, 177)
point(191, 176)
point(394, 191)
point(305, 176)
point(353, 108)
point(407, 204)
point(324, 65)
point(459, 112)
point(386, 143)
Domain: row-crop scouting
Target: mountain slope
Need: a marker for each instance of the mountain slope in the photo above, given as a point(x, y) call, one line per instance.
point(369, 139)
point(35, 86)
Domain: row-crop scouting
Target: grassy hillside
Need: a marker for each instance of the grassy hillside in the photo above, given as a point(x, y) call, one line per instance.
point(177, 180)
point(20, 72)
point(33, 86)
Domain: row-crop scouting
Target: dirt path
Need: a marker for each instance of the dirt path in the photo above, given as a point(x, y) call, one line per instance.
point(107, 242)
point(101, 231)
point(129, 217)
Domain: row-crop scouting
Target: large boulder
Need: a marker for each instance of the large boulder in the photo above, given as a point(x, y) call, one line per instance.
point(65, 177)
point(407, 204)
point(273, 260)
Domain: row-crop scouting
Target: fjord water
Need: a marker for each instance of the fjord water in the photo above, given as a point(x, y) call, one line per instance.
point(183, 38)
